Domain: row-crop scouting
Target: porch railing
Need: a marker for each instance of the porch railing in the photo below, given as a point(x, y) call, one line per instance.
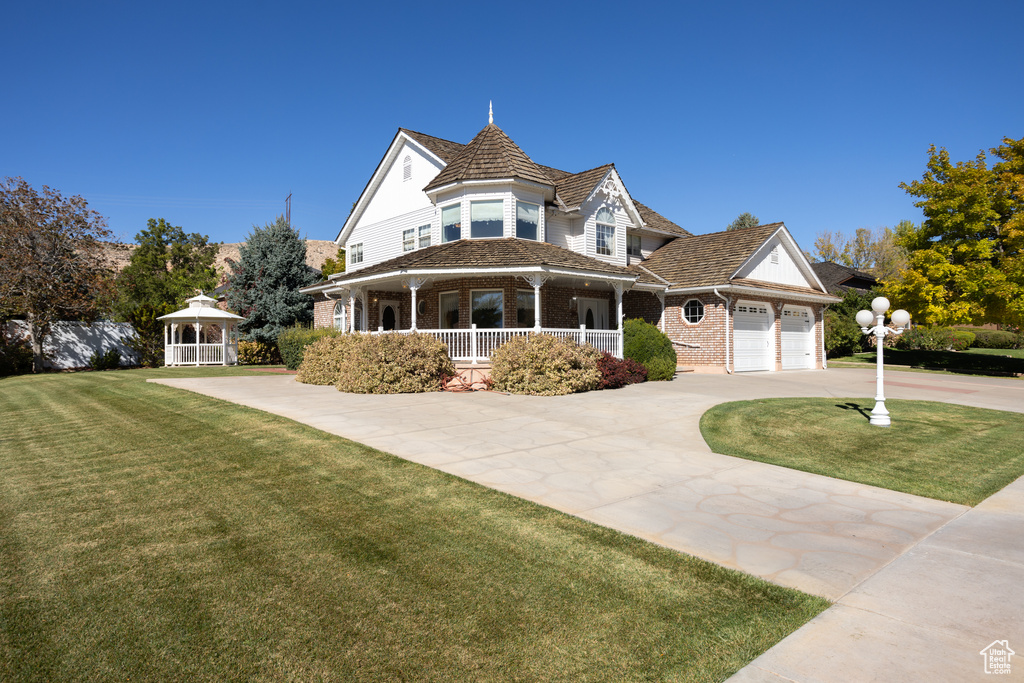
point(199, 354)
point(476, 345)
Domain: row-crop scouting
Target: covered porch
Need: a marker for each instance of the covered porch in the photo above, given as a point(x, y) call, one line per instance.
point(201, 334)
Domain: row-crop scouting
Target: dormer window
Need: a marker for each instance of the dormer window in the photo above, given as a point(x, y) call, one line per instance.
point(486, 219)
point(451, 223)
point(605, 233)
point(407, 168)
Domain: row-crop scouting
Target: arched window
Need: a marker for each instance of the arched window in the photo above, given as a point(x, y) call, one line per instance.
point(605, 233)
point(407, 168)
point(339, 316)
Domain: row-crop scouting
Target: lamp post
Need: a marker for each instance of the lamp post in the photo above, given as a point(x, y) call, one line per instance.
point(900, 318)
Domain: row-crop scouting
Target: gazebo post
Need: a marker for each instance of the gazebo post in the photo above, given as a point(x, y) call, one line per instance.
point(197, 342)
point(224, 343)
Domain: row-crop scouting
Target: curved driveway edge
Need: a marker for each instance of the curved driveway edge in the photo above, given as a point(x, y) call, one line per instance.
point(918, 582)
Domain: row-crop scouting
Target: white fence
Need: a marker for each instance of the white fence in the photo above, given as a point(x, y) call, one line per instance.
point(70, 345)
point(476, 345)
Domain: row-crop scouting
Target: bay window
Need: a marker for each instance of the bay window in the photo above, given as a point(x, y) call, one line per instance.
point(486, 219)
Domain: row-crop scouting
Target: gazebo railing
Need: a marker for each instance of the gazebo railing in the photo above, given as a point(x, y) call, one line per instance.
point(199, 354)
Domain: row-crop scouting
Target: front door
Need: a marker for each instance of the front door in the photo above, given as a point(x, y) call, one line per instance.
point(594, 313)
point(388, 315)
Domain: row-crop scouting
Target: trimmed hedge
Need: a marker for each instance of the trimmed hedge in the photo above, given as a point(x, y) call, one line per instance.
point(934, 339)
point(544, 365)
point(292, 342)
point(993, 339)
point(379, 363)
point(649, 346)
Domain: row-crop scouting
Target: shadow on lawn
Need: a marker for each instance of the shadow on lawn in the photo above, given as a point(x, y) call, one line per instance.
point(858, 407)
point(959, 362)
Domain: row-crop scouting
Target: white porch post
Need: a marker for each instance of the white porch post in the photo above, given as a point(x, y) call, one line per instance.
point(352, 310)
point(166, 345)
point(661, 320)
point(472, 342)
point(197, 342)
point(224, 343)
point(618, 318)
point(536, 281)
point(365, 313)
point(414, 283)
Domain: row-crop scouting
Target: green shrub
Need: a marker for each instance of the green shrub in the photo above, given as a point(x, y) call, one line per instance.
point(111, 360)
point(293, 341)
point(842, 333)
point(391, 363)
point(321, 360)
point(544, 365)
point(257, 353)
point(993, 339)
point(649, 346)
point(934, 339)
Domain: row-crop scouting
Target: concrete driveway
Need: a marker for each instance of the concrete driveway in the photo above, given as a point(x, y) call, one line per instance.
point(633, 459)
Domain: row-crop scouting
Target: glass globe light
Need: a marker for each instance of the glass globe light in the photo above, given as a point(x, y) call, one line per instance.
point(900, 318)
point(865, 318)
point(880, 305)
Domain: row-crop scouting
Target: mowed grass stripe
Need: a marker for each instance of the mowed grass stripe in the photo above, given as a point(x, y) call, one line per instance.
point(157, 534)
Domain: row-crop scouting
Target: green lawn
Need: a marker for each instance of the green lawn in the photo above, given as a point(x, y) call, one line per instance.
point(938, 450)
point(992, 362)
point(148, 533)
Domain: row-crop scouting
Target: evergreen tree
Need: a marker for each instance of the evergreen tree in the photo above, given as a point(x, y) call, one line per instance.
point(264, 287)
point(744, 220)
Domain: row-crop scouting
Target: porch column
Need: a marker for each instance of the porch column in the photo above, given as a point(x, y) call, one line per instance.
point(166, 345)
point(224, 343)
point(365, 313)
point(618, 317)
point(197, 343)
point(661, 320)
point(414, 283)
point(351, 310)
point(536, 281)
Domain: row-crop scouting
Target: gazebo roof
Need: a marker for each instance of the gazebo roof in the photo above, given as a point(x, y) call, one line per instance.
point(201, 307)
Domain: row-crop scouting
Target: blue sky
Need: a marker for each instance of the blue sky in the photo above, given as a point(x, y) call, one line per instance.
point(209, 114)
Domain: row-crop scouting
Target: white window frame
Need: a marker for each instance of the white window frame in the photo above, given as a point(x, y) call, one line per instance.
point(536, 206)
point(355, 254)
point(609, 238)
point(341, 316)
point(408, 239)
point(639, 246)
point(477, 202)
point(686, 315)
point(447, 207)
point(424, 236)
point(501, 319)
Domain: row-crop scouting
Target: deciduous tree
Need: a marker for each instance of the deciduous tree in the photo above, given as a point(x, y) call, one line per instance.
point(52, 265)
point(334, 265)
point(264, 287)
point(965, 262)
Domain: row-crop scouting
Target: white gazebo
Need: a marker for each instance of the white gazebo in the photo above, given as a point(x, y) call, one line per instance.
point(201, 334)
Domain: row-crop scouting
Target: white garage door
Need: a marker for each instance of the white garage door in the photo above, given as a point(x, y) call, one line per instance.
point(752, 342)
point(797, 338)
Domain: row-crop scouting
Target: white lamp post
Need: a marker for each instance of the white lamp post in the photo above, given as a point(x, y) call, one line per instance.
point(900, 318)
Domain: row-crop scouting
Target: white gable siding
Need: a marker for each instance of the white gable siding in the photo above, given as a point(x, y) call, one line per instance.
point(622, 223)
point(559, 231)
point(383, 241)
point(395, 196)
point(784, 272)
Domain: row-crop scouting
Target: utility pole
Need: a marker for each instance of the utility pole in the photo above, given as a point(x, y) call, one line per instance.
point(288, 209)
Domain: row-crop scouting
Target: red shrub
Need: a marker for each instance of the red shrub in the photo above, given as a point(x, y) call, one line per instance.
point(617, 373)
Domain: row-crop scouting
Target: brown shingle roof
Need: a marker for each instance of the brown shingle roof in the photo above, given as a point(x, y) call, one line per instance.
point(490, 155)
point(445, 149)
point(505, 252)
point(574, 188)
point(707, 260)
point(655, 220)
point(839, 278)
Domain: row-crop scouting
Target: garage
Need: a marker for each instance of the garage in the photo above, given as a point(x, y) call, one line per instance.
point(752, 338)
point(797, 338)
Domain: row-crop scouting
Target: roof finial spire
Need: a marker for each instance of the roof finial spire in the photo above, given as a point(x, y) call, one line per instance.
point(490, 111)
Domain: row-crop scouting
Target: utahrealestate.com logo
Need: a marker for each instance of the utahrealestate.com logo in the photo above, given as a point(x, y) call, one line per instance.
point(997, 657)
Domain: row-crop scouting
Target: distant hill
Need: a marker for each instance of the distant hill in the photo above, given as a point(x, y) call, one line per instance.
point(317, 251)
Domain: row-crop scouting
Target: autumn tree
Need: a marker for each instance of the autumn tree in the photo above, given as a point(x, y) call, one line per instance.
point(333, 265)
point(965, 259)
point(877, 253)
point(264, 285)
point(167, 267)
point(52, 265)
point(744, 220)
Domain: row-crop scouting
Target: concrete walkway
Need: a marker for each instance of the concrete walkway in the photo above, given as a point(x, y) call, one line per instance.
point(633, 460)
